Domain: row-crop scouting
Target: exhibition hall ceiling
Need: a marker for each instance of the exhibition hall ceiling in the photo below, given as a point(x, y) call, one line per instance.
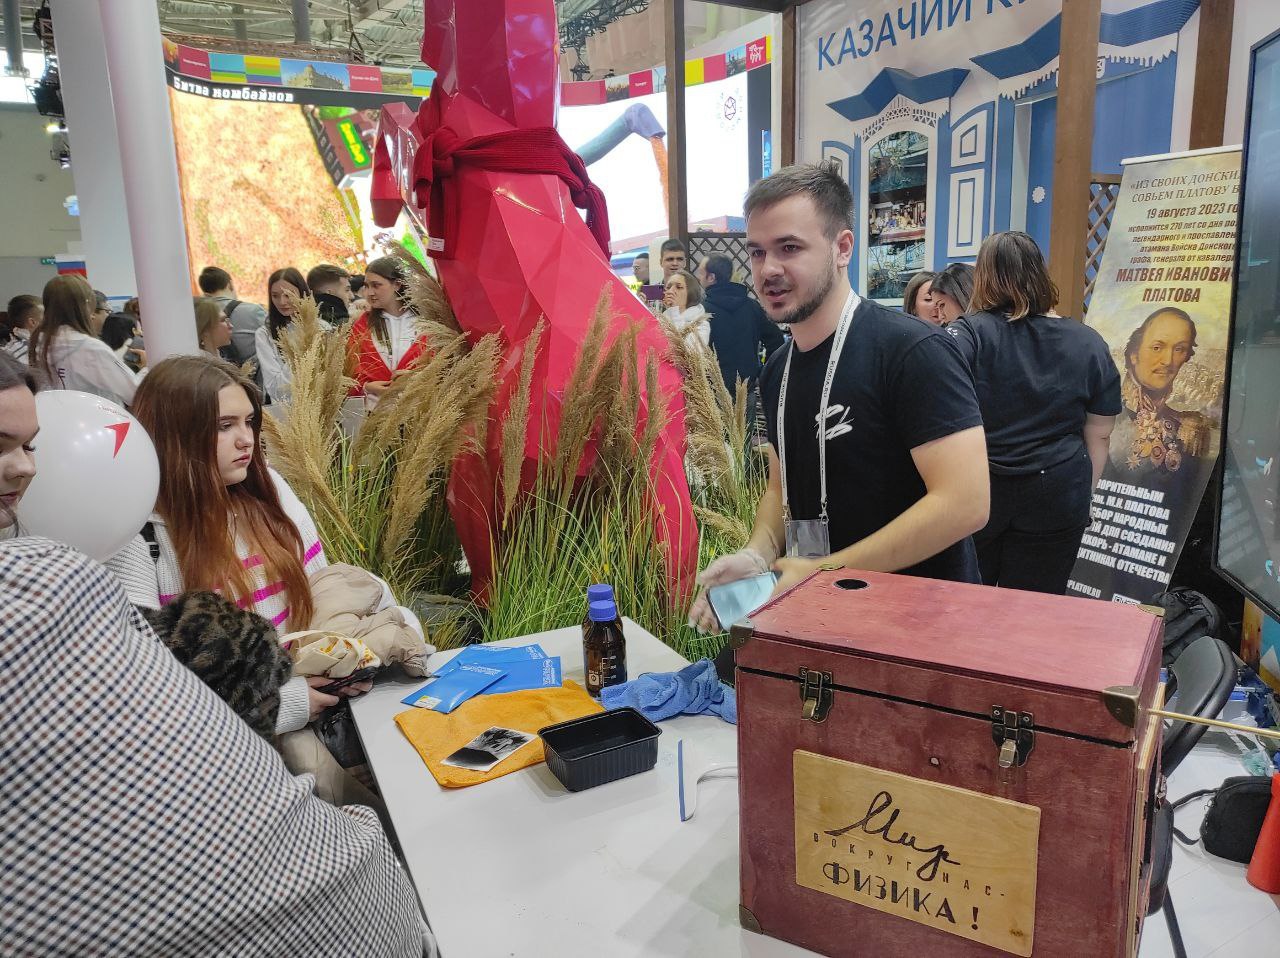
point(389, 32)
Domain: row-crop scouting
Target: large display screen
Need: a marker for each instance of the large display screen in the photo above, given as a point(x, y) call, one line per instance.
point(1247, 545)
point(623, 142)
point(274, 155)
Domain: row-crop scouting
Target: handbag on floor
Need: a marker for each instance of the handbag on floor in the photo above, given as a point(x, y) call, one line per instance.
point(1233, 820)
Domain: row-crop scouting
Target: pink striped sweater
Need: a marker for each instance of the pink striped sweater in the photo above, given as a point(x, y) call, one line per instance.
point(152, 584)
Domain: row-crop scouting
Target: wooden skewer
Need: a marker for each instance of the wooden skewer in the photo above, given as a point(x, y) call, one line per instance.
point(1217, 723)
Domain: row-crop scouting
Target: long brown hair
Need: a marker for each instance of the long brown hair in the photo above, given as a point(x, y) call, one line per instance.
point(276, 320)
point(912, 292)
point(177, 403)
point(389, 268)
point(68, 302)
point(1010, 277)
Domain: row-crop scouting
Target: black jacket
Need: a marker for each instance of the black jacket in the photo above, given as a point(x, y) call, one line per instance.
point(331, 308)
point(738, 328)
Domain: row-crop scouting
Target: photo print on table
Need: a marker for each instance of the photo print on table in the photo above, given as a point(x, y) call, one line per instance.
point(488, 749)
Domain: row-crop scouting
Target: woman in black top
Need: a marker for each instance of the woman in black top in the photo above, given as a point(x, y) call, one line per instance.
point(1050, 393)
point(951, 290)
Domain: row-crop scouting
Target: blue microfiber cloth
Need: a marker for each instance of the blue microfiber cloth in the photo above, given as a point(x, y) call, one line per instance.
point(694, 690)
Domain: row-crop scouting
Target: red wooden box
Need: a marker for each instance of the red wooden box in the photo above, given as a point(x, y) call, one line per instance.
point(936, 769)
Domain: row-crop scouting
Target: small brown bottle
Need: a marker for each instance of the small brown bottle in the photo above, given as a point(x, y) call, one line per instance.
point(604, 649)
point(596, 593)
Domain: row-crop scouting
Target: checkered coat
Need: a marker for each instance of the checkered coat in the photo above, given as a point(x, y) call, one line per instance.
point(140, 816)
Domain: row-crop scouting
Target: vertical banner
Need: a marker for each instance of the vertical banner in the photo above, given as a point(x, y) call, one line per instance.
point(1161, 302)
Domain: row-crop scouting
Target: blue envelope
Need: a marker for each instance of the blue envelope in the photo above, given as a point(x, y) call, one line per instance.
point(446, 693)
point(529, 674)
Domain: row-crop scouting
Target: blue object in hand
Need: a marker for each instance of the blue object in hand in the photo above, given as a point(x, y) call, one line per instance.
point(694, 690)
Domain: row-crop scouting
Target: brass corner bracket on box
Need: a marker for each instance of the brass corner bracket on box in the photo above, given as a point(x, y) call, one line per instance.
point(1122, 702)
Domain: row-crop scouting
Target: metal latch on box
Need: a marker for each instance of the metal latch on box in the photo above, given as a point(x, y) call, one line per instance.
point(815, 693)
point(1014, 733)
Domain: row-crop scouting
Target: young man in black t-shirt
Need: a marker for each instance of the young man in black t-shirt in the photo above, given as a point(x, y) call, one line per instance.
point(906, 460)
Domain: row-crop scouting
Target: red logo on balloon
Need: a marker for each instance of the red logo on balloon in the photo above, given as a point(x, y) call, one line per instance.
point(121, 429)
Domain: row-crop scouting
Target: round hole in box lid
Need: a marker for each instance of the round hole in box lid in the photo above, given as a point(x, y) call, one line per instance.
point(851, 585)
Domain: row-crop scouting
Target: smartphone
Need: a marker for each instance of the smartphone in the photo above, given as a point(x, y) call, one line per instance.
point(736, 600)
point(360, 675)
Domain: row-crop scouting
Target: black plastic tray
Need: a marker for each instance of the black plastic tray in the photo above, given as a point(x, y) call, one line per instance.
point(590, 751)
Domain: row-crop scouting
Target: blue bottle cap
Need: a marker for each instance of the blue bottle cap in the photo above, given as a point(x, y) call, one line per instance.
point(599, 593)
point(603, 611)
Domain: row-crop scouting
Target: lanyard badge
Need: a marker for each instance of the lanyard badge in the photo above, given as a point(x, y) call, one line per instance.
point(811, 538)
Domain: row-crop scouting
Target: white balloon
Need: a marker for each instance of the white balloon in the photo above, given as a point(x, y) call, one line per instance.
point(97, 474)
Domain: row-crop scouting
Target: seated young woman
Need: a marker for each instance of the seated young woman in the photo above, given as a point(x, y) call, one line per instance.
point(18, 428)
point(385, 340)
point(224, 521)
point(202, 806)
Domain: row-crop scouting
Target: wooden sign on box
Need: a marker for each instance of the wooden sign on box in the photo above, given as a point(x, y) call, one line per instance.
point(946, 857)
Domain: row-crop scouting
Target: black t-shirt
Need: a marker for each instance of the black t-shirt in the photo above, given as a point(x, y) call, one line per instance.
point(1037, 380)
point(900, 384)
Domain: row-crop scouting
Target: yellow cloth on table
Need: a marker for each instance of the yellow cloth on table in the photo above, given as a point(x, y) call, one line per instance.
point(437, 736)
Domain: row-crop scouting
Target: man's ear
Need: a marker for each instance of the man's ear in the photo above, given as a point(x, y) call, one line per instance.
point(844, 248)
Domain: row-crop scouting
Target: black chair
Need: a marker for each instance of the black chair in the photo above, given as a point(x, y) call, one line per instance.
point(1202, 675)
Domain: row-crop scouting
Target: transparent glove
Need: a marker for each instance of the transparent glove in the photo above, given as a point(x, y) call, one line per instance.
point(737, 565)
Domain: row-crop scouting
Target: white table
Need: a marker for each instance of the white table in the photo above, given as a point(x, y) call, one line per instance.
point(520, 867)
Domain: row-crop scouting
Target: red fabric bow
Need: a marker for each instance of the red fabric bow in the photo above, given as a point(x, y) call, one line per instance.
point(538, 150)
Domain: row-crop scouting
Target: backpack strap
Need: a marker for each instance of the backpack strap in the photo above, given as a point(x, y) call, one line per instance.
point(153, 543)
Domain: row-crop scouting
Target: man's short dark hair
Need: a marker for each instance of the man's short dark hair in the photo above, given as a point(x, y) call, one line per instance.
point(673, 246)
point(213, 279)
point(22, 306)
point(720, 266)
point(324, 274)
point(640, 256)
point(821, 182)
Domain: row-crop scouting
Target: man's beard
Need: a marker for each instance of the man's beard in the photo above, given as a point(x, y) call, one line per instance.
point(814, 302)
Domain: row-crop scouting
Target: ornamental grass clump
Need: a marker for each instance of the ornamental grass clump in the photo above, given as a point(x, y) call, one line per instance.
point(588, 513)
point(584, 511)
point(727, 473)
point(378, 497)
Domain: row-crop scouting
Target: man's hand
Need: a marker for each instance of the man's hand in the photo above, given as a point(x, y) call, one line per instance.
point(793, 571)
point(737, 565)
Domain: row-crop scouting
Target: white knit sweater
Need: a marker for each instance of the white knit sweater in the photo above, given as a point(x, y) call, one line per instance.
point(152, 584)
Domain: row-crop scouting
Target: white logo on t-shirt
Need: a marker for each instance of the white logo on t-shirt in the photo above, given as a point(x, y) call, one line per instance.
point(842, 426)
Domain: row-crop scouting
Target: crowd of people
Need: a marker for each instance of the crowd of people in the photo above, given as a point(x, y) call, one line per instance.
point(231, 552)
point(72, 338)
point(958, 438)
